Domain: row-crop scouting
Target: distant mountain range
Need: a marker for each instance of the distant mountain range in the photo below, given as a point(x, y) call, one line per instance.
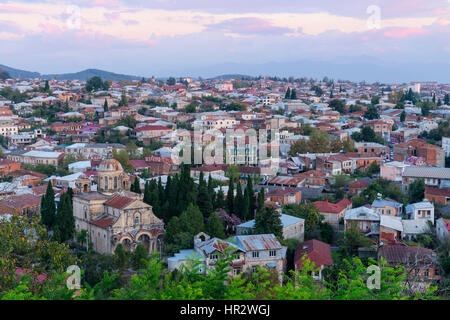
point(82, 75)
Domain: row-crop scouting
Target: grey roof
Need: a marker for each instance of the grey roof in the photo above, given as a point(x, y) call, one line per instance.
point(362, 213)
point(415, 226)
point(257, 242)
point(391, 222)
point(427, 172)
point(377, 203)
point(286, 221)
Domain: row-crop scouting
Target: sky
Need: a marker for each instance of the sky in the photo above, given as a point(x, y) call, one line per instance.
point(385, 40)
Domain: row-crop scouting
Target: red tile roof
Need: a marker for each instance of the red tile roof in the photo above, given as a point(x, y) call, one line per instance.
point(444, 192)
point(358, 184)
point(103, 222)
point(118, 202)
point(316, 251)
point(325, 206)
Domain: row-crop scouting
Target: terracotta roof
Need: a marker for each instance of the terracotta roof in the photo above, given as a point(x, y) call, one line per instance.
point(314, 173)
point(21, 201)
point(118, 202)
point(137, 164)
point(283, 191)
point(358, 184)
point(152, 128)
point(401, 254)
point(325, 206)
point(316, 251)
point(104, 222)
point(444, 192)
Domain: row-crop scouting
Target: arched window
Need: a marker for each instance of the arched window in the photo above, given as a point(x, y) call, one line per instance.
point(136, 220)
point(106, 182)
point(115, 183)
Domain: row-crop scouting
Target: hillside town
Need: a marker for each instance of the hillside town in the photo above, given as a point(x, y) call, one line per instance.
point(140, 168)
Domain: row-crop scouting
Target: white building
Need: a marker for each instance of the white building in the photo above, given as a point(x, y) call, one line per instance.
point(421, 210)
point(446, 145)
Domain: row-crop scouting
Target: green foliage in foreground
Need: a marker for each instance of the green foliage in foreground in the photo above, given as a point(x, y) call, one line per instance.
point(24, 244)
point(154, 282)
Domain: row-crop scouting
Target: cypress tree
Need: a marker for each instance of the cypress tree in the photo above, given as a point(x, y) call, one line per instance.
point(261, 199)
point(246, 215)
point(48, 208)
point(210, 187)
point(146, 193)
point(105, 105)
point(219, 202)
point(161, 193)
point(251, 195)
point(65, 221)
point(239, 201)
point(293, 94)
point(136, 186)
point(203, 199)
point(288, 93)
point(230, 197)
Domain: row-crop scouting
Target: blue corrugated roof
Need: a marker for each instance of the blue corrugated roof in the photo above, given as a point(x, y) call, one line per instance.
point(286, 221)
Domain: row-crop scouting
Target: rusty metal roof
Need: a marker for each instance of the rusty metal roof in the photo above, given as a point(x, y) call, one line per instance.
point(257, 242)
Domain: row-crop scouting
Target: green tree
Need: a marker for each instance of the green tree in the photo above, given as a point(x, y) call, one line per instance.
point(214, 226)
point(306, 211)
point(352, 239)
point(220, 200)
point(371, 113)
point(337, 105)
point(417, 190)
point(64, 222)
point(402, 116)
point(204, 198)
point(48, 208)
point(288, 93)
point(230, 197)
point(268, 220)
point(138, 257)
point(239, 201)
point(293, 94)
point(105, 106)
point(136, 188)
point(121, 258)
point(122, 157)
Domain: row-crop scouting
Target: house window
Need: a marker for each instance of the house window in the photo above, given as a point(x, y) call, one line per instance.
point(255, 254)
point(236, 271)
point(136, 220)
point(426, 273)
point(213, 256)
point(272, 253)
point(236, 256)
point(254, 269)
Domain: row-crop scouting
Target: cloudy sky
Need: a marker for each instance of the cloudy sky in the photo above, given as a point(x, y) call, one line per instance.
point(383, 40)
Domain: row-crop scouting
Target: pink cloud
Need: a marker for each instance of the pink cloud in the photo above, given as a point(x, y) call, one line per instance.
point(50, 28)
point(404, 32)
point(249, 26)
point(106, 3)
point(14, 9)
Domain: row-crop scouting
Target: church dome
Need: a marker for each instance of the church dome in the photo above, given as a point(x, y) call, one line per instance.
point(110, 165)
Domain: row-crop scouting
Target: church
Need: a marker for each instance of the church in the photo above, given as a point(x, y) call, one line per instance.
point(114, 215)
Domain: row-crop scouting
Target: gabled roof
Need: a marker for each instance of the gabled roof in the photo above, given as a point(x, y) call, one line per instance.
point(119, 202)
point(406, 255)
point(316, 251)
point(257, 242)
point(325, 206)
